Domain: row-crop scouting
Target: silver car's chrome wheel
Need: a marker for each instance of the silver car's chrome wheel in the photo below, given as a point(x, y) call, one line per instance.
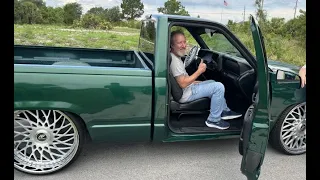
point(44, 140)
point(293, 130)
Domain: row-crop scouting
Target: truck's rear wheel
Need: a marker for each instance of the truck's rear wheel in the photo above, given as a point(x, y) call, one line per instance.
point(45, 141)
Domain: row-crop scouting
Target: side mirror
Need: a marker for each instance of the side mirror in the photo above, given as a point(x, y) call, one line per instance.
point(288, 77)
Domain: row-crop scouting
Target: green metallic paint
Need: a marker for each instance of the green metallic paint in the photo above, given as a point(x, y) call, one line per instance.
point(161, 131)
point(258, 136)
point(199, 137)
point(81, 70)
point(103, 99)
point(283, 96)
point(71, 53)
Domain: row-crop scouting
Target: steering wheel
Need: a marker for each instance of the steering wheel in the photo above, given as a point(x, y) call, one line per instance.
point(191, 56)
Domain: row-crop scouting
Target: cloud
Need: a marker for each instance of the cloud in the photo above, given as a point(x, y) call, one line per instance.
point(86, 4)
point(209, 9)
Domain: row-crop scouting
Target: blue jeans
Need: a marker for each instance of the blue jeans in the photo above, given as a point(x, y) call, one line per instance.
point(213, 90)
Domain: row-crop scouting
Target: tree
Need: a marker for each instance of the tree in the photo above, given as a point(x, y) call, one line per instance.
point(150, 31)
point(296, 28)
point(30, 13)
point(261, 14)
point(132, 9)
point(17, 11)
point(231, 24)
point(173, 7)
point(72, 11)
point(52, 15)
point(38, 3)
point(113, 14)
point(276, 25)
point(98, 11)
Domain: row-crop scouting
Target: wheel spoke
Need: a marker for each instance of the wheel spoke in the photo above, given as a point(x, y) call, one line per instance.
point(60, 149)
point(65, 134)
point(296, 141)
point(52, 157)
point(27, 120)
point(289, 141)
point(288, 136)
point(46, 121)
point(286, 131)
point(63, 142)
point(288, 125)
point(62, 125)
point(20, 141)
point(21, 133)
point(36, 116)
point(300, 142)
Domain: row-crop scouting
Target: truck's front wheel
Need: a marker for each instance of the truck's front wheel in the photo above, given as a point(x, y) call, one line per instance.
point(45, 141)
point(289, 133)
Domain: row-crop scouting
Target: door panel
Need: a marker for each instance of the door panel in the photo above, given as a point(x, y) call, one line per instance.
point(255, 132)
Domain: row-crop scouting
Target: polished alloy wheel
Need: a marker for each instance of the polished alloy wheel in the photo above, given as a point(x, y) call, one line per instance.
point(44, 140)
point(293, 130)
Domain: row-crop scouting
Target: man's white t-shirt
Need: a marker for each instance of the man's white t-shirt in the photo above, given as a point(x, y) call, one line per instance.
point(177, 69)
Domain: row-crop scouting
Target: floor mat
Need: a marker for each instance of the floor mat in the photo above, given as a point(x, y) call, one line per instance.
point(196, 123)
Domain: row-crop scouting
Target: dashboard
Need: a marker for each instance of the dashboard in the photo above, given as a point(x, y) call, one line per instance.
point(234, 72)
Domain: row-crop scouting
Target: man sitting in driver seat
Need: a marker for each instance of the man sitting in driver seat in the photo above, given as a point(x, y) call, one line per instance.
point(193, 89)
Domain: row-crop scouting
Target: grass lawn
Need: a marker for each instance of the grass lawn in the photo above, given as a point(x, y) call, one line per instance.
point(124, 38)
point(118, 38)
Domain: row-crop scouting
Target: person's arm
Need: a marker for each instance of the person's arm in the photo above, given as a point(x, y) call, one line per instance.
point(302, 74)
point(185, 81)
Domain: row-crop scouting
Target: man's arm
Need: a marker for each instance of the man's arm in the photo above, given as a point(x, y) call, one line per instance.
point(185, 81)
point(302, 74)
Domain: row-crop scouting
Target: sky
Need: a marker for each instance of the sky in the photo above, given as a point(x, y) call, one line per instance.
point(209, 9)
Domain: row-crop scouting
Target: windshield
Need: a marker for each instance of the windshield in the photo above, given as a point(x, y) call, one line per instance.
point(219, 43)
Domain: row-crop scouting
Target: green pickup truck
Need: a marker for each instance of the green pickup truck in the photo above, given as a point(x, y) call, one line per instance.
point(65, 96)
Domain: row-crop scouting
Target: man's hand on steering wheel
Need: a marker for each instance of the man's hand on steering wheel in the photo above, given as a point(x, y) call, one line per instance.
point(191, 56)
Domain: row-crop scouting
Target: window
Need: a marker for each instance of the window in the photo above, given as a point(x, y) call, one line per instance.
point(219, 43)
point(147, 38)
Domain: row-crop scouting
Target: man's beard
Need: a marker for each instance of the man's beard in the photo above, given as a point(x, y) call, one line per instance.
point(181, 53)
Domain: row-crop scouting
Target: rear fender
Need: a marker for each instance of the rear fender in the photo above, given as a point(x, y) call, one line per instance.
point(52, 105)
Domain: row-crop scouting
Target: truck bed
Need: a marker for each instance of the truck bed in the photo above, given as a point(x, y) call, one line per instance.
point(110, 90)
point(66, 56)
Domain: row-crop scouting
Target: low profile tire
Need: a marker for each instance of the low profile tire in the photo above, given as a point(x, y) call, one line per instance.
point(46, 141)
point(289, 134)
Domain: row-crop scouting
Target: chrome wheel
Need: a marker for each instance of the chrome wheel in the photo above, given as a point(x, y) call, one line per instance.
point(293, 130)
point(44, 140)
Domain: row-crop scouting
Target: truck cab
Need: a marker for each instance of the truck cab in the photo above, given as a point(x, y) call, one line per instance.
point(229, 62)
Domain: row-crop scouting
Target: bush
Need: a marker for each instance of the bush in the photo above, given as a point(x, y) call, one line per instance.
point(76, 24)
point(105, 25)
point(91, 21)
point(131, 24)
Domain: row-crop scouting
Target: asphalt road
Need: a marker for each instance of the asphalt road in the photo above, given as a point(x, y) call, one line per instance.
point(218, 160)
